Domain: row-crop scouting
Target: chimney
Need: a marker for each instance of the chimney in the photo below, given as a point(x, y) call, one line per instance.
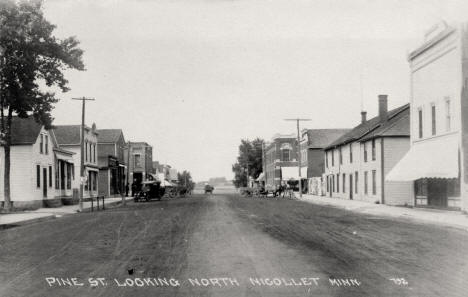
point(383, 108)
point(363, 117)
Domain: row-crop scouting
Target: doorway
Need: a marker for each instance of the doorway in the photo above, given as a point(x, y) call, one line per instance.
point(437, 192)
point(44, 182)
point(351, 190)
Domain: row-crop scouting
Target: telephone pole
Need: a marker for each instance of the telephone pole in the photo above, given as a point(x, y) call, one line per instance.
point(82, 169)
point(299, 150)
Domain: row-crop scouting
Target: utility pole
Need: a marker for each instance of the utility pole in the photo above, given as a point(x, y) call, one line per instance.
point(299, 151)
point(82, 169)
point(264, 162)
point(128, 165)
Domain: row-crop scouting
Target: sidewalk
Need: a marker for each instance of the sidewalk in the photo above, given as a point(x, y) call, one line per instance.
point(435, 216)
point(50, 213)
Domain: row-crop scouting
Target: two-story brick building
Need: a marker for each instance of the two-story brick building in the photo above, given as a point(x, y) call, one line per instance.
point(40, 171)
point(140, 162)
point(111, 162)
point(69, 138)
point(357, 163)
point(280, 160)
point(437, 162)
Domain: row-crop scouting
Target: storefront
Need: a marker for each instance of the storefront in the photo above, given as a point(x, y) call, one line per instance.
point(434, 166)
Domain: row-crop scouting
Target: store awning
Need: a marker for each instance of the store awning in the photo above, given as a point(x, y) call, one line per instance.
point(288, 173)
point(64, 156)
point(435, 158)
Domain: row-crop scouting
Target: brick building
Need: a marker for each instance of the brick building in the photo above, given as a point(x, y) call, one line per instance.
point(140, 162)
point(357, 163)
point(280, 159)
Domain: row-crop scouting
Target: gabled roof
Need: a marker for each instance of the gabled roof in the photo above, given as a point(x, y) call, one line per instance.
point(397, 124)
point(321, 138)
point(109, 135)
point(24, 130)
point(68, 134)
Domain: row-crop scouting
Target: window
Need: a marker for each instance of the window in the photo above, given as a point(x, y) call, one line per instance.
point(341, 156)
point(453, 187)
point(47, 144)
point(94, 174)
point(373, 149)
point(328, 184)
point(57, 175)
point(50, 175)
point(333, 157)
point(448, 118)
point(69, 175)
point(333, 182)
point(41, 144)
point(433, 115)
point(365, 152)
point(337, 183)
point(374, 182)
point(38, 176)
point(326, 158)
point(86, 150)
point(420, 123)
point(356, 183)
point(365, 182)
point(285, 154)
point(350, 153)
point(137, 160)
point(344, 183)
point(420, 187)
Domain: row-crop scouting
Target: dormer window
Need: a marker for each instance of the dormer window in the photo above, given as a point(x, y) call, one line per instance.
point(46, 144)
point(41, 144)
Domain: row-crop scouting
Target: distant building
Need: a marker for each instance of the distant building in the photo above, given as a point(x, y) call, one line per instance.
point(111, 162)
point(140, 162)
point(280, 160)
point(313, 142)
point(41, 173)
point(437, 162)
point(356, 163)
point(68, 138)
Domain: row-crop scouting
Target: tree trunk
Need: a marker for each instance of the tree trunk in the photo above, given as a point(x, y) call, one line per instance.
point(6, 145)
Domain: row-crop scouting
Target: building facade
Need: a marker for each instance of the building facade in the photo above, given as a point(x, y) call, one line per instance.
point(437, 161)
point(69, 138)
point(280, 160)
point(140, 162)
point(111, 162)
point(313, 141)
point(357, 163)
point(40, 171)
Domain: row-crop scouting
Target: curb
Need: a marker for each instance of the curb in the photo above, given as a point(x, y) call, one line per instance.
point(26, 222)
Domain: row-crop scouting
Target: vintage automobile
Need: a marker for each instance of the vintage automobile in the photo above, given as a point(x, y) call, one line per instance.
point(209, 189)
point(150, 190)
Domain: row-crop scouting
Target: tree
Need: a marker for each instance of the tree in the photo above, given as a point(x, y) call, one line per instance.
point(31, 57)
point(249, 159)
point(185, 178)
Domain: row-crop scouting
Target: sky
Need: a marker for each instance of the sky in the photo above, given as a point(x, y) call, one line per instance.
point(192, 78)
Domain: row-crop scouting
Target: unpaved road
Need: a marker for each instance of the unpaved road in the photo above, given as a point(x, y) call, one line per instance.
point(232, 246)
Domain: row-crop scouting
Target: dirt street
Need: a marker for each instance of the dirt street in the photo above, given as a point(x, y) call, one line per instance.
point(226, 245)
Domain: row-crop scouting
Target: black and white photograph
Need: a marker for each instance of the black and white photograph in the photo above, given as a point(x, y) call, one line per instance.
point(234, 148)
